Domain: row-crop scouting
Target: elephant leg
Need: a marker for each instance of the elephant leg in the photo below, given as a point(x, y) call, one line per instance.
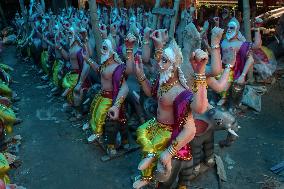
point(111, 131)
point(196, 147)
point(209, 149)
point(184, 174)
point(124, 133)
point(136, 106)
point(176, 167)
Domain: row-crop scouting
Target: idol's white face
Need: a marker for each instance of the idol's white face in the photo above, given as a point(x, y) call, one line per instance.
point(231, 31)
point(105, 52)
point(166, 70)
point(164, 64)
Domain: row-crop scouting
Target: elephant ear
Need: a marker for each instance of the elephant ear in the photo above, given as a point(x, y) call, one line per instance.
point(211, 112)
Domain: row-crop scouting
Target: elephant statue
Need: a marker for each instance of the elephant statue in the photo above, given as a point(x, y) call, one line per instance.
point(206, 124)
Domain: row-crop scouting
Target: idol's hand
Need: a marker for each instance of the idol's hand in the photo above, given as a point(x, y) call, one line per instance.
point(139, 71)
point(103, 31)
point(113, 113)
point(166, 160)
point(130, 41)
point(216, 35)
point(113, 28)
point(216, 21)
point(147, 32)
point(157, 39)
point(240, 80)
point(198, 61)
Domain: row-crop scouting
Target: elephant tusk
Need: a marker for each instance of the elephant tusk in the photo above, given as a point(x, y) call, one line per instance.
point(233, 132)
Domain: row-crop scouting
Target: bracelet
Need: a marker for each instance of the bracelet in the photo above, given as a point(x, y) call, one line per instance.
point(90, 61)
point(129, 50)
point(119, 102)
point(151, 155)
point(172, 150)
point(229, 66)
point(243, 74)
point(199, 80)
point(158, 54)
point(199, 77)
point(60, 48)
point(159, 50)
point(215, 46)
point(146, 42)
point(142, 78)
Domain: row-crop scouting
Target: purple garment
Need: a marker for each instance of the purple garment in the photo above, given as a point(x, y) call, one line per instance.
point(241, 59)
point(117, 79)
point(181, 109)
point(80, 60)
point(119, 49)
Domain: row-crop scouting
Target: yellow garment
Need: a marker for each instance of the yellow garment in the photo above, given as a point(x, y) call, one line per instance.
point(69, 82)
point(4, 168)
point(5, 90)
point(153, 137)
point(56, 69)
point(99, 110)
point(6, 68)
point(44, 62)
point(224, 94)
point(8, 117)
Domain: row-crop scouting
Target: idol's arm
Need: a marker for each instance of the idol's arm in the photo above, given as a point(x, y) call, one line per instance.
point(121, 94)
point(187, 133)
point(219, 85)
point(257, 39)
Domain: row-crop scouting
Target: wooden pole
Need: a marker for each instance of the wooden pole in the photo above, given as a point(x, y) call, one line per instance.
point(66, 3)
point(246, 15)
point(115, 3)
point(154, 24)
point(174, 19)
point(3, 15)
point(95, 26)
point(43, 5)
point(247, 30)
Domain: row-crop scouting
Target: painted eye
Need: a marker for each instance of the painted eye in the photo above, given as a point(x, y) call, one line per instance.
point(104, 48)
point(164, 60)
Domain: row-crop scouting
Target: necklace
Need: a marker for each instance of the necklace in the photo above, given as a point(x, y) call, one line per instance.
point(165, 88)
point(105, 64)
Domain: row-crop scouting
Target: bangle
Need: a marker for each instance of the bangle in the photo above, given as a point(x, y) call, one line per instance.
point(199, 77)
point(151, 155)
point(119, 102)
point(60, 48)
point(243, 74)
point(129, 50)
point(142, 78)
point(199, 80)
point(172, 150)
point(229, 66)
point(90, 61)
point(146, 42)
point(159, 50)
point(158, 54)
point(215, 46)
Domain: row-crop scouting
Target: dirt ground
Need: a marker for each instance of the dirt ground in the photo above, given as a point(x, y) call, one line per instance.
point(54, 152)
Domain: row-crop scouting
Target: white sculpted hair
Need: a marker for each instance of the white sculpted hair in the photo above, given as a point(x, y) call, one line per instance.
point(174, 54)
point(111, 45)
